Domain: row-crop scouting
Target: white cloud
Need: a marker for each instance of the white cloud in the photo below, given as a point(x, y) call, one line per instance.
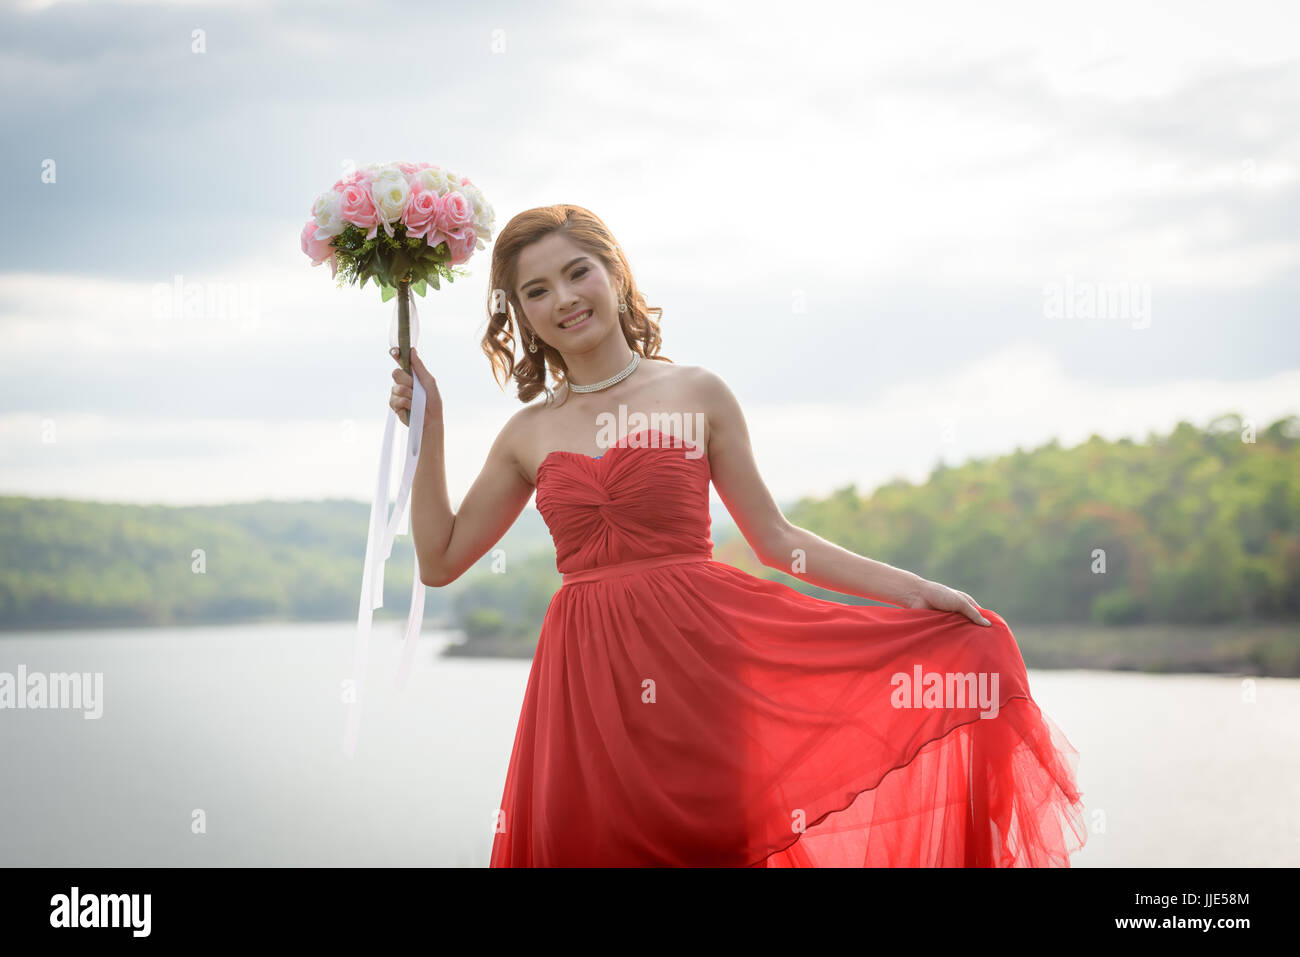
point(879, 160)
point(1018, 396)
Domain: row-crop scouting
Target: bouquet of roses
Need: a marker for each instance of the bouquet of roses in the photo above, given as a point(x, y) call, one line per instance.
point(431, 220)
point(404, 225)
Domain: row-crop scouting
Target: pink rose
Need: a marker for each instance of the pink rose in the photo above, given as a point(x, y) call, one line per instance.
point(319, 250)
point(347, 181)
point(408, 169)
point(422, 211)
point(461, 243)
point(457, 212)
point(357, 207)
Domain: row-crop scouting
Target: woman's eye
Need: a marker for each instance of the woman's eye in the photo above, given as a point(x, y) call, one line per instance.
point(580, 271)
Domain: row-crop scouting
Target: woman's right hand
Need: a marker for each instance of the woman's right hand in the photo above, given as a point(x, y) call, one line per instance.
point(400, 400)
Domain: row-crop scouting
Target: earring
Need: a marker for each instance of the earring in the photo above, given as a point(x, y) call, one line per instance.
point(622, 307)
point(532, 346)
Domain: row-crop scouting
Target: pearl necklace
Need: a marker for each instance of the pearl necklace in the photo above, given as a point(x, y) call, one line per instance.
point(606, 383)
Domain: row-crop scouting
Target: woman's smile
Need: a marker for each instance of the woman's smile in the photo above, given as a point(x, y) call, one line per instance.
point(574, 323)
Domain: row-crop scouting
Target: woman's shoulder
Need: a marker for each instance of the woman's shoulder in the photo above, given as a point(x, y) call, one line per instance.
point(703, 382)
point(523, 421)
point(690, 385)
point(680, 375)
point(518, 435)
point(686, 375)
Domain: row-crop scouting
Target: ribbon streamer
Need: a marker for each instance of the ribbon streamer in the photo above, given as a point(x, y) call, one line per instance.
point(379, 547)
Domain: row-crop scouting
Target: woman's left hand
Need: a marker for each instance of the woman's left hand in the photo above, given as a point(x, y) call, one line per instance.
point(942, 598)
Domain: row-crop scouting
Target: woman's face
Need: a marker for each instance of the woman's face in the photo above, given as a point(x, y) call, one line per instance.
point(559, 281)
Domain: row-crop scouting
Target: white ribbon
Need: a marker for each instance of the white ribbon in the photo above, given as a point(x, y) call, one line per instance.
point(379, 546)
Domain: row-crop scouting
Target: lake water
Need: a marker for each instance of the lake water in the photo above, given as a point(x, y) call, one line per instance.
point(245, 724)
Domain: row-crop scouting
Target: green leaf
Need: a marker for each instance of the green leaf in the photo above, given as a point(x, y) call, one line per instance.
point(388, 291)
point(434, 279)
point(419, 287)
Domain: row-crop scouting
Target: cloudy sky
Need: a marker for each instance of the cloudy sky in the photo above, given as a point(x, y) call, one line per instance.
point(882, 225)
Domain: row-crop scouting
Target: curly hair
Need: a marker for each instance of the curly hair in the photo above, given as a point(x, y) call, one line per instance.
point(504, 309)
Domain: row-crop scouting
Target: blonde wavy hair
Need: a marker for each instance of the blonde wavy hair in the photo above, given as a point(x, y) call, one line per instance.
point(504, 329)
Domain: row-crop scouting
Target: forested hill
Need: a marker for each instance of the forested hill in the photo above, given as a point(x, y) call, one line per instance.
point(1201, 525)
point(72, 563)
point(1196, 526)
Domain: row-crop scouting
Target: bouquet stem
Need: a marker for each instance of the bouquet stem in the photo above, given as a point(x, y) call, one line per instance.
point(404, 332)
point(404, 323)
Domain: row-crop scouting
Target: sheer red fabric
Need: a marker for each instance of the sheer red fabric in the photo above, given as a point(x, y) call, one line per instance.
point(681, 712)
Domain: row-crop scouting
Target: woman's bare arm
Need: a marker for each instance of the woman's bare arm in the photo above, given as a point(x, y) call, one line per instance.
point(787, 547)
point(446, 542)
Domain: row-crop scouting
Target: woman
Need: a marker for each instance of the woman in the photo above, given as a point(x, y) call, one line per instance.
point(680, 711)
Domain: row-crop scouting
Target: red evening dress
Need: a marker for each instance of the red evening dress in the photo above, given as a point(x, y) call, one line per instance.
point(682, 712)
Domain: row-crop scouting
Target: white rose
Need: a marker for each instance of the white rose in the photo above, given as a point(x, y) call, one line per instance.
point(327, 211)
point(390, 193)
point(445, 180)
point(484, 215)
point(431, 179)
